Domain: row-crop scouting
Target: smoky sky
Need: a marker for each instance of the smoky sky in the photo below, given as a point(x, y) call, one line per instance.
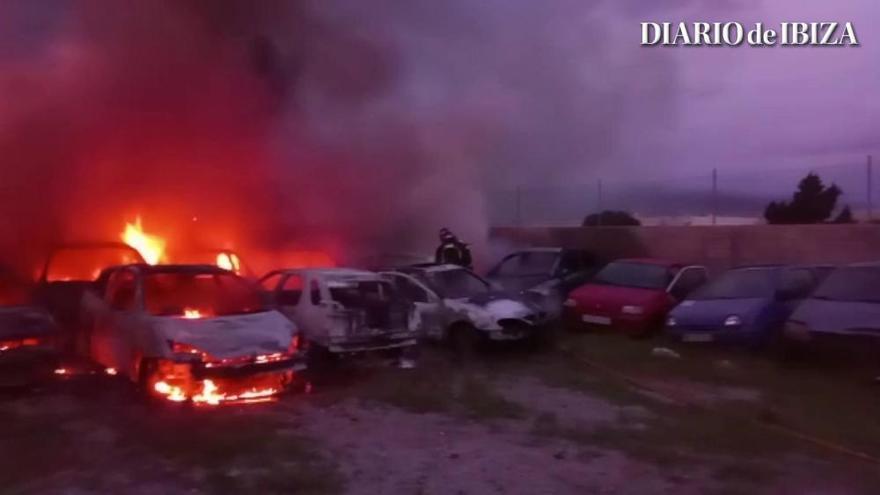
point(369, 125)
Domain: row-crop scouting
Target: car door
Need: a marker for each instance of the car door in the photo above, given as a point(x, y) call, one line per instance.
point(287, 295)
point(115, 334)
point(428, 308)
point(686, 281)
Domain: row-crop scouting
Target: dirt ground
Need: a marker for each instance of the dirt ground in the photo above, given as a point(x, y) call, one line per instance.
point(512, 422)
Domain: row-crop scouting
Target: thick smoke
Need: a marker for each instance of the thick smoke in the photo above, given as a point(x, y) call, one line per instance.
point(338, 124)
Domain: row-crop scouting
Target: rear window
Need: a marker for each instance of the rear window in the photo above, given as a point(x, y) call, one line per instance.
point(199, 295)
point(637, 275)
point(85, 264)
point(739, 284)
point(855, 284)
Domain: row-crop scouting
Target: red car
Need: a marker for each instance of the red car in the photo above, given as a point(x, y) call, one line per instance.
point(633, 295)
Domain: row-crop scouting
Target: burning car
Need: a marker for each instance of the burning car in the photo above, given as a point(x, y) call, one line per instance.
point(70, 273)
point(455, 305)
point(342, 310)
point(633, 295)
point(193, 333)
point(28, 334)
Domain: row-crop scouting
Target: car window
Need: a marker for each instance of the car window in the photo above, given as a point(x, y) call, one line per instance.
point(291, 291)
point(689, 280)
point(528, 263)
point(855, 284)
point(121, 290)
point(797, 283)
point(271, 282)
point(200, 294)
point(410, 290)
point(456, 284)
point(315, 292)
point(637, 275)
point(739, 284)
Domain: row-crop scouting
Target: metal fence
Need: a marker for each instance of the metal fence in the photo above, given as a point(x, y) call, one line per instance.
point(720, 196)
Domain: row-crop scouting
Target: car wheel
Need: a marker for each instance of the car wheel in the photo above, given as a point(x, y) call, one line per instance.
point(146, 379)
point(464, 341)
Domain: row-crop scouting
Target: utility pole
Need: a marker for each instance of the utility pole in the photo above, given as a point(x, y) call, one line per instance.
point(518, 206)
point(870, 187)
point(714, 195)
point(599, 202)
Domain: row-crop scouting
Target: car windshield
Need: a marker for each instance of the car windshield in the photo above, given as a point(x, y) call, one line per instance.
point(638, 275)
point(456, 284)
point(198, 295)
point(528, 263)
point(84, 264)
point(739, 284)
point(856, 284)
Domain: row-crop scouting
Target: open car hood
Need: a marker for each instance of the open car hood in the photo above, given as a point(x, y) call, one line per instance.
point(234, 336)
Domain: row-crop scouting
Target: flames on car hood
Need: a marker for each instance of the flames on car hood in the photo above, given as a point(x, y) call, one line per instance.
point(225, 337)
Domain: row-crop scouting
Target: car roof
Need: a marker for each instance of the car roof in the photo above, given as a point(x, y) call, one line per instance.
point(341, 271)
point(172, 268)
point(651, 261)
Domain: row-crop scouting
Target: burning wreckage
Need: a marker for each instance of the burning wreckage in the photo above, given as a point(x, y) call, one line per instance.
point(195, 333)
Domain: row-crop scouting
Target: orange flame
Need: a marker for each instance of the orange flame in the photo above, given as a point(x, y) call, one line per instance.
point(151, 247)
point(191, 314)
point(229, 261)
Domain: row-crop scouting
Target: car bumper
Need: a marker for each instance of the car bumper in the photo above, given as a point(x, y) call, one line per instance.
point(717, 334)
point(373, 343)
point(26, 365)
point(630, 324)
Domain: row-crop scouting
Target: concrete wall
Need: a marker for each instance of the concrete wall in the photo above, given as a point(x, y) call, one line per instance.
point(718, 247)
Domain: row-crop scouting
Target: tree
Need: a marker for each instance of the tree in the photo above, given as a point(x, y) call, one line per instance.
point(845, 216)
point(813, 202)
point(611, 218)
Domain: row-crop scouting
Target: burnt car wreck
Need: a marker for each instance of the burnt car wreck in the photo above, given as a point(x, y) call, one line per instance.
point(453, 304)
point(343, 311)
point(193, 333)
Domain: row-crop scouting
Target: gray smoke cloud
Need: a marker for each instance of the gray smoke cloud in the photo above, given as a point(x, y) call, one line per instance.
point(347, 125)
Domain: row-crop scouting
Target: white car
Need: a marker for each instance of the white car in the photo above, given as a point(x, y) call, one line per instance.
point(843, 310)
point(342, 310)
point(192, 333)
point(456, 305)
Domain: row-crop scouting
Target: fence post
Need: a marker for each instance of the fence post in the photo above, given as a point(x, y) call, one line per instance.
point(870, 187)
point(714, 195)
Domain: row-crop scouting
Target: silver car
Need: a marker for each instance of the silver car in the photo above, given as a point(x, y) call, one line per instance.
point(192, 333)
point(844, 309)
point(454, 304)
point(342, 310)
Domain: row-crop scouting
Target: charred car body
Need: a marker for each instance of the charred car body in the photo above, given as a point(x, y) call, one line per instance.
point(193, 333)
point(341, 310)
point(545, 275)
point(29, 344)
point(454, 304)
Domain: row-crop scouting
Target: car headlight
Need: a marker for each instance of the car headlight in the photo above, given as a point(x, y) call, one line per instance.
point(732, 321)
point(632, 310)
point(670, 321)
point(569, 303)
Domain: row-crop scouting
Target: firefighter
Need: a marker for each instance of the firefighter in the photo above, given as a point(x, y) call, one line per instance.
point(452, 250)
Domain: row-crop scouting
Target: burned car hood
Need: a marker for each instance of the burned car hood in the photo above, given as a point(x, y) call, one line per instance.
point(25, 321)
point(232, 336)
point(487, 308)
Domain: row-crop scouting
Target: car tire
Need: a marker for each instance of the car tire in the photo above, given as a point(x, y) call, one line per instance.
point(465, 341)
point(146, 371)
